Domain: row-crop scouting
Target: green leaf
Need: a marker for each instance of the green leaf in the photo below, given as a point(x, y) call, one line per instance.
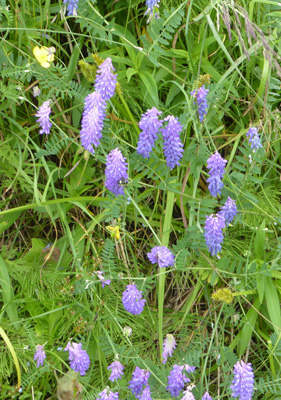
point(259, 242)
point(273, 304)
point(7, 292)
point(151, 87)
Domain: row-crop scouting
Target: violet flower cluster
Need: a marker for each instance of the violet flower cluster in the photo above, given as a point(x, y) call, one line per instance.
point(172, 145)
point(177, 379)
point(132, 300)
point(162, 256)
point(168, 347)
point(243, 382)
point(215, 165)
point(40, 355)
point(43, 115)
point(95, 106)
point(92, 121)
point(149, 125)
point(138, 381)
point(116, 371)
point(201, 101)
point(215, 224)
point(150, 4)
point(102, 279)
point(116, 171)
point(79, 359)
point(206, 396)
point(106, 394)
point(72, 6)
point(254, 139)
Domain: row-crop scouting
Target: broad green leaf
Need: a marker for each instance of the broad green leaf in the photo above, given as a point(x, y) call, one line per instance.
point(7, 292)
point(150, 85)
point(273, 304)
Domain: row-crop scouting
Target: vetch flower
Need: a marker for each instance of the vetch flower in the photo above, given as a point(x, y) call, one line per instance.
point(188, 395)
point(116, 171)
point(228, 210)
point(40, 355)
point(36, 91)
point(71, 7)
point(213, 233)
point(43, 115)
point(139, 379)
point(254, 139)
point(216, 165)
point(102, 279)
point(201, 100)
point(106, 80)
point(107, 395)
point(132, 300)
point(189, 369)
point(146, 395)
point(127, 330)
point(92, 121)
point(206, 396)
point(243, 382)
point(150, 4)
point(80, 361)
point(161, 255)
point(149, 125)
point(168, 347)
point(172, 145)
point(176, 380)
point(116, 371)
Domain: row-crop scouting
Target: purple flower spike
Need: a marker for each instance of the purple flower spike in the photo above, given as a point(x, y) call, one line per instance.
point(176, 380)
point(80, 361)
point(188, 395)
point(40, 355)
point(139, 379)
point(92, 121)
point(146, 395)
point(149, 126)
point(228, 210)
point(116, 371)
point(213, 233)
point(132, 300)
point(43, 115)
point(215, 165)
point(115, 171)
point(71, 7)
point(172, 146)
point(254, 139)
point(201, 100)
point(189, 369)
point(206, 396)
point(168, 347)
point(107, 395)
point(106, 80)
point(162, 256)
point(243, 382)
point(150, 4)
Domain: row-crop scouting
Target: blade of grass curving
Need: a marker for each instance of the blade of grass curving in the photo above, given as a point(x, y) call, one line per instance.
point(13, 353)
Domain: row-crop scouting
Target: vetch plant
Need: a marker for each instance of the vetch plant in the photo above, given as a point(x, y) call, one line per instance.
point(79, 359)
point(132, 300)
point(162, 256)
point(116, 171)
point(43, 115)
point(40, 355)
point(149, 125)
point(216, 165)
point(243, 382)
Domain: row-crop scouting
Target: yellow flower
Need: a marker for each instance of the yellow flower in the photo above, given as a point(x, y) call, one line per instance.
point(114, 231)
point(44, 55)
point(224, 295)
